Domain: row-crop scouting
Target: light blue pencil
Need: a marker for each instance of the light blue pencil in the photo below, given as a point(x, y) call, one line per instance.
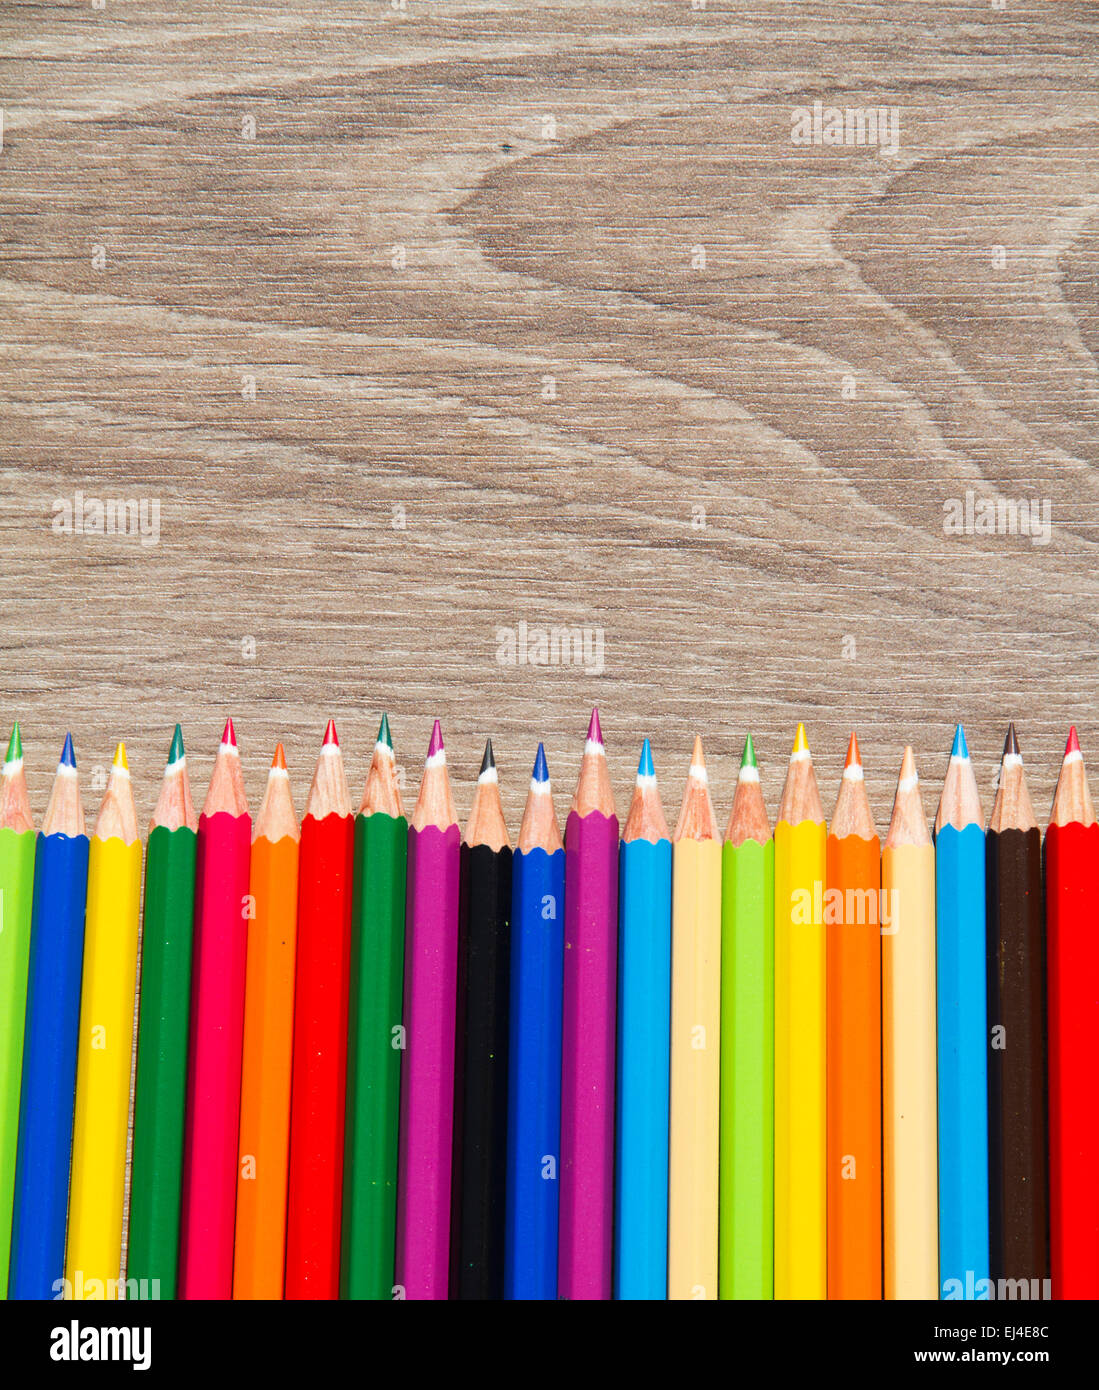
point(962, 1038)
point(644, 1022)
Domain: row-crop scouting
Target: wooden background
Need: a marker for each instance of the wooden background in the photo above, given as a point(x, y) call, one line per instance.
point(821, 585)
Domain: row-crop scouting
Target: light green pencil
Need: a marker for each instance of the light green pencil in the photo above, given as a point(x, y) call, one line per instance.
point(745, 1234)
point(17, 841)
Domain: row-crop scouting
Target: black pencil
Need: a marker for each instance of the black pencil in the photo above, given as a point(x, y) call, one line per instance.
point(481, 1062)
point(1018, 1186)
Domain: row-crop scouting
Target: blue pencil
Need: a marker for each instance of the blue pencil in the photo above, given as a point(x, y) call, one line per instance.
point(644, 1021)
point(962, 1037)
point(49, 1049)
point(534, 1072)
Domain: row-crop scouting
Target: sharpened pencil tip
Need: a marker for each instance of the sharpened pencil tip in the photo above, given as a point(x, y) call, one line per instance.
point(595, 732)
point(698, 758)
point(959, 749)
point(1011, 743)
point(541, 769)
point(801, 740)
point(279, 760)
point(645, 766)
point(436, 744)
point(748, 757)
point(68, 756)
point(383, 733)
point(1073, 744)
point(488, 762)
point(229, 736)
point(330, 735)
point(120, 758)
point(908, 765)
point(15, 745)
point(175, 753)
point(854, 759)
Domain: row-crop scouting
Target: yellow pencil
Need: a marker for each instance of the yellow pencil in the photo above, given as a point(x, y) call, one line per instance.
point(696, 1043)
point(909, 1122)
point(800, 1037)
point(94, 1248)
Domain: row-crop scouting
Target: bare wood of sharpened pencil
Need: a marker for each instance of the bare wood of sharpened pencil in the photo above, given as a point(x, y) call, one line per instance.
point(486, 825)
point(382, 793)
point(15, 806)
point(960, 803)
point(175, 808)
point(696, 815)
point(646, 817)
point(117, 817)
point(748, 817)
point(226, 790)
point(908, 824)
point(64, 813)
point(1072, 799)
point(853, 815)
point(328, 791)
point(593, 786)
point(800, 795)
point(277, 819)
point(435, 803)
point(1012, 809)
point(539, 828)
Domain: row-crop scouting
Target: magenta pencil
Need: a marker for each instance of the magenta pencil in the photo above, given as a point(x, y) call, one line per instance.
point(427, 1067)
point(587, 1075)
point(217, 1033)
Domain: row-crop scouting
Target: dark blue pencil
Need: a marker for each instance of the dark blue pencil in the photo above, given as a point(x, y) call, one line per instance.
point(534, 1080)
point(49, 1049)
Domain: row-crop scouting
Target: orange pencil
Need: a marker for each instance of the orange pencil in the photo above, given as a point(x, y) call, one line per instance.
point(259, 1246)
point(853, 922)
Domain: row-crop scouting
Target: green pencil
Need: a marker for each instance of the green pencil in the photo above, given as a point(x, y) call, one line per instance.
point(17, 841)
point(746, 1238)
point(163, 1025)
point(374, 1037)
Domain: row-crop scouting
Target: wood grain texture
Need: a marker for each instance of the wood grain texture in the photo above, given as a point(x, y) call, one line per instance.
point(676, 388)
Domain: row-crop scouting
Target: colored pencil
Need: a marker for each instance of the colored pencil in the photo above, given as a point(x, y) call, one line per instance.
point(853, 931)
point(644, 1046)
point(909, 1121)
point(51, 1032)
point(105, 1057)
point(208, 1209)
point(588, 1030)
point(17, 844)
point(746, 1225)
point(322, 979)
point(1017, 1133)
point(259, 1241)
point(962, 1039)
point(800, 1034)
point(374, 1031)
point(696, 1042)
point(1072, 907)
point(534, 1047)
point(160, 1101)
point(430, 1003)
point(481, 1052)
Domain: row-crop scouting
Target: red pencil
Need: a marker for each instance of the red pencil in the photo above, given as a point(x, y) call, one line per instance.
point(1072, 914)
point(320, 1031)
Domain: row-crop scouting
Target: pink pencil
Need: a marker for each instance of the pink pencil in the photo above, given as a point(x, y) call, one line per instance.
point(427, 1068)
point(587, 1075)
point(217, 1031)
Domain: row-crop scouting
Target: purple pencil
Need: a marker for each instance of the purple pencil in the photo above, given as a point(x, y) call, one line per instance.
point(427, 1068)
point(587, 1073)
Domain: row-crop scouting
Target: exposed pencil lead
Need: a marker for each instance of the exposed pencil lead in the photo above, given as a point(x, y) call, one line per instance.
point(854, 758)
point(645, 766)
point(68, 757)
point(383, 733)
point(435, 747)
point(330, 735)
point(541, 770)
point(488, 762)
point(1073, 744)
point(595, 732)
point(959, 749)
point(279, 760)
point(801, 741)
point(15, 745)
point(229, 736)
point(120, 758)
point(748, 757)
point(1011, 743)
point(176, 752)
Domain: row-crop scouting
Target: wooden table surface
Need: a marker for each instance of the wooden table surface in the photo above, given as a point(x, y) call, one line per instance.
point(420, 322)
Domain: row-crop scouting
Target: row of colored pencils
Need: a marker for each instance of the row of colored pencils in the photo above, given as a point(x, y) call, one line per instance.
point(377, 1058)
